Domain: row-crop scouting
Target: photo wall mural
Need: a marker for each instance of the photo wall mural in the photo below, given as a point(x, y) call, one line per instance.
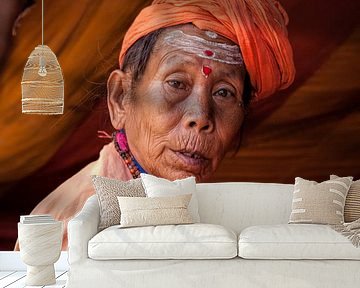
point(310, 129)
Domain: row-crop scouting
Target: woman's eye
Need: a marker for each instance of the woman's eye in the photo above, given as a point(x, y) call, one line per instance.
point(176, 84)
point(224, 93)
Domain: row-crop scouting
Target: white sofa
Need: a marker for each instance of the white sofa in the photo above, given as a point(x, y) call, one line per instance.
point(277, 254)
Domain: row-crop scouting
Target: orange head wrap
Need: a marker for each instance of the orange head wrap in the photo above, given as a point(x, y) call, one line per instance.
point(257, 26)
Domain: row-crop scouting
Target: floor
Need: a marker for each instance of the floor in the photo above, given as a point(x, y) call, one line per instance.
point(12, 279)
point(13, 271)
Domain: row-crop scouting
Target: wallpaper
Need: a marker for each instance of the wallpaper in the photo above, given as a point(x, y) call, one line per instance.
point(310, 130)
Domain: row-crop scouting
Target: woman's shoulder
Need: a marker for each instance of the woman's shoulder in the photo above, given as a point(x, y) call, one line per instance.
point(75, 190)
point(110, 164)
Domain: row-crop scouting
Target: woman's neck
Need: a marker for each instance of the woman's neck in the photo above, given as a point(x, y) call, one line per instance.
point(121, 145)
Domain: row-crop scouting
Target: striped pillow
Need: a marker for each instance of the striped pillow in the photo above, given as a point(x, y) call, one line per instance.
point(146, 211)
point(320, 203)
point(352, 203)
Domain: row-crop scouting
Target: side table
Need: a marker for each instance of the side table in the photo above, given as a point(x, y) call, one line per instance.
point(40, 247)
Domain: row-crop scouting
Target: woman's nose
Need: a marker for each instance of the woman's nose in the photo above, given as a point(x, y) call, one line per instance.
point(199, 114)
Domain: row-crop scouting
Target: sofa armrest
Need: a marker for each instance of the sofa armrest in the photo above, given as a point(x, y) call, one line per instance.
point(82, 228)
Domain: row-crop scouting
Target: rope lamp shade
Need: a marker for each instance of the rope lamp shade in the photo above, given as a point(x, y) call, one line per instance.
point(42, 83)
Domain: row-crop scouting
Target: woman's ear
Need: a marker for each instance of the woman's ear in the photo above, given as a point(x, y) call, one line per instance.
point(118, 87)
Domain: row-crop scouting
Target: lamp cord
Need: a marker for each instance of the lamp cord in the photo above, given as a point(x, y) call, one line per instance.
point(42, 60)
point(42, 22)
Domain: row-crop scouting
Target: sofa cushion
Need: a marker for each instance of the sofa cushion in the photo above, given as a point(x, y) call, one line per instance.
point(319, 203)
point(145, 211)
point(191, 241)
point(352, 203)
point(160, 187)
point(107, 190)
point(295, 241)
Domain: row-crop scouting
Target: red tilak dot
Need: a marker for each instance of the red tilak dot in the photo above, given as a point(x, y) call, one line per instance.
point(209, 53)
point(206, 70)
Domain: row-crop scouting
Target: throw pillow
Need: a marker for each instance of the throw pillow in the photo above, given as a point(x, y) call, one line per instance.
point(352, 202)
point(160, 187)
point(321, 203)
point(140, 211)
point(107, 190)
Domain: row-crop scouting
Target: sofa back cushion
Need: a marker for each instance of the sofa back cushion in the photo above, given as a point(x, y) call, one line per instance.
point(242, 204)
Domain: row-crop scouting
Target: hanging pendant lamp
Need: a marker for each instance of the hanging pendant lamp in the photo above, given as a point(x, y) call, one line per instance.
point(42, 83)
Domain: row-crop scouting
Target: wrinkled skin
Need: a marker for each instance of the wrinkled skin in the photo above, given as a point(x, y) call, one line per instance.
point(178, 122)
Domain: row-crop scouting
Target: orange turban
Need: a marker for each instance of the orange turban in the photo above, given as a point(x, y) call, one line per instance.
point(257, 26)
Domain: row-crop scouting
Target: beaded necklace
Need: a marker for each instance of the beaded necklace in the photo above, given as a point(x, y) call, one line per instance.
point(122, 147)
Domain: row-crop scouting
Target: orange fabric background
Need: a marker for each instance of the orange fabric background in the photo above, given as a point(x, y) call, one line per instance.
point(310, 130)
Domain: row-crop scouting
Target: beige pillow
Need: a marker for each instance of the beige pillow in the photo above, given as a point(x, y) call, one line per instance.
point(107, 190)
point(352, 202)
point(138, 211)
point(321, 203)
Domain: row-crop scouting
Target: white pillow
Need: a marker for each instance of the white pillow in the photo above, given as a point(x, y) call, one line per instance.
point(160, 187)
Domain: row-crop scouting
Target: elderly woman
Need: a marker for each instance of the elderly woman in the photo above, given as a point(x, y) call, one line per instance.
point(187, 72)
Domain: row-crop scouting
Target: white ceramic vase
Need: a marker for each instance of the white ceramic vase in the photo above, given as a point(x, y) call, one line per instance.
point(40, 247)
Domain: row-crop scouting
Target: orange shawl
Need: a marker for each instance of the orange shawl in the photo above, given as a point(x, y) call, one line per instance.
point(257, 26)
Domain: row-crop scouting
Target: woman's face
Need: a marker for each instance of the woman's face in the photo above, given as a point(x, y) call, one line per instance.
point(182, 118)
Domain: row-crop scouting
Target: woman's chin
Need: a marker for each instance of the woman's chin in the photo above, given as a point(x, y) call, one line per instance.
point(173, 165)
point(175, 174)
point(177, 165)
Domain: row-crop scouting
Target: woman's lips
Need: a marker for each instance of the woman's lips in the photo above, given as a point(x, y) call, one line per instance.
point(192, 159)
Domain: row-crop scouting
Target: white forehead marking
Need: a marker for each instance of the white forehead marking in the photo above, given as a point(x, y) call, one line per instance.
point(221, 52)
point(211, 34)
